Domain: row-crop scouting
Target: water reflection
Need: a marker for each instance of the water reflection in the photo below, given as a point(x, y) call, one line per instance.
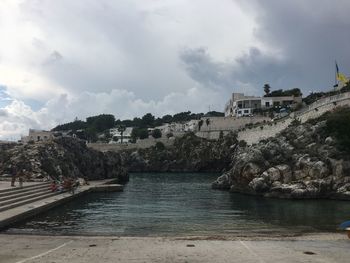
point(184, 204)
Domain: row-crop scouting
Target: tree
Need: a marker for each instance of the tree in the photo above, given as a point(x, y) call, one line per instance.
point(207, 121)
point(200, 123)
point(147, 120)
point(91, 134)
point(167, 118)
point(267, 89)
point(141, 133)
point(121, 129)
point(160, 146)
point(74, 125)
point(169, 135)
point(156, 133)
point(338, 126)
point(215, 114)
point(101, 122)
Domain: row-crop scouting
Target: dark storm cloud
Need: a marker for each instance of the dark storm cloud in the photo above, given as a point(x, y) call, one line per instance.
point(247, 73)
point(309, 35)
point(300, 41)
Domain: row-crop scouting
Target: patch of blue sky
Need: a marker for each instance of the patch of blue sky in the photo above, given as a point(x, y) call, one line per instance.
point(34, 104)
point(4, 97)
point(5, 100)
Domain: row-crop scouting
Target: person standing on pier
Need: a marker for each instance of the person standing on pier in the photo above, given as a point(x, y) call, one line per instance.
point(13, 175)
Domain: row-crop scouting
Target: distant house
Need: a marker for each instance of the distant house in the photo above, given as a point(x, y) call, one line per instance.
point(37, 136)
point(117, 135)
point(177, 127)
point(240, 105)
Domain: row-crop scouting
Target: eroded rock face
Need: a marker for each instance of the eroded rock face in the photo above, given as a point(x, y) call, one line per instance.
point(188, 154)
point(300, 162)
point(63, 157)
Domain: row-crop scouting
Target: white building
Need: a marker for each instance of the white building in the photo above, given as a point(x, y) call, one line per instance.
point(177, 127)
point(240, 105)
point(37, 136)
point(191, 126)
point(117, 135)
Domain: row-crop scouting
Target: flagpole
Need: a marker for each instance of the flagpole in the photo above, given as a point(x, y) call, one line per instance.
point(335, 79)
point(336, 82)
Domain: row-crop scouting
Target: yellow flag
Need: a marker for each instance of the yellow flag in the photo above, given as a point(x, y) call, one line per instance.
point(342, 78)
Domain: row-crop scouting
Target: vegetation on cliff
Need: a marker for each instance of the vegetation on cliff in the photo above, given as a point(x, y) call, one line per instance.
point(103, 122)
point(310, 160)
point(188, 154)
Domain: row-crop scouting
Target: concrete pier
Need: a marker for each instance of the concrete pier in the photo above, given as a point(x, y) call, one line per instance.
point(18, 204)
point(107, 188)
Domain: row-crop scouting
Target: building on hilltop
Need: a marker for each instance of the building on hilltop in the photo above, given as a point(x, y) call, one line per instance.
point(177, 128)
point(117, 135)
point(240, 105)
point(37, 136)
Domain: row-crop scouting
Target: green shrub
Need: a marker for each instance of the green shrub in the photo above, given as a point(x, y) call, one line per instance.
point(242, 143)
point(338, 125)
point(156, 133)
point(160, 146)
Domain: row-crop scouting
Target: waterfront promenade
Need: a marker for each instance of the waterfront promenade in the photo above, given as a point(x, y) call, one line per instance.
point(59, 249)
point(17, 204)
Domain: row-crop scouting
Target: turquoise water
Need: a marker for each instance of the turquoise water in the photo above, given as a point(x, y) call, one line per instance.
point(169, 204)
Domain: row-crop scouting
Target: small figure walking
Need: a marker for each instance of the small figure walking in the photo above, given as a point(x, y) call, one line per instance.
point(21, 175)
point(13, 175)
point(20, 181)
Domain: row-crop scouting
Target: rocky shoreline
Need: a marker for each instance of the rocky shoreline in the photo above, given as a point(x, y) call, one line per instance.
point(61, 157)
point(301, 162)
point(188, 154)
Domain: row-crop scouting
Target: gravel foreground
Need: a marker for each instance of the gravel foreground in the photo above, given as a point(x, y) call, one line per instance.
point(327, 247)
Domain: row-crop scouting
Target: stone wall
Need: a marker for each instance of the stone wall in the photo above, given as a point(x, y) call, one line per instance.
point(140, 144)
point(260, 132)
point(321, 106)
point(313, 111)
point(226, 125)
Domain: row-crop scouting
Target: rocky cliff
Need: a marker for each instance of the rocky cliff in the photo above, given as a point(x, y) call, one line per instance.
point(308, 160)
point(188, 154)
point(63, 156)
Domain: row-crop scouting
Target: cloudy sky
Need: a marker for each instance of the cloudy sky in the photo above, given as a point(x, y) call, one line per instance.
point(65, 59)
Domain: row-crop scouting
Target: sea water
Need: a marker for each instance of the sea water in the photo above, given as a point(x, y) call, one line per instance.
point(179, 204)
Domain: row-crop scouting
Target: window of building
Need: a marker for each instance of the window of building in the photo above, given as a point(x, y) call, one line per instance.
point(239, 112)
point(246, 111)
point(267, 104)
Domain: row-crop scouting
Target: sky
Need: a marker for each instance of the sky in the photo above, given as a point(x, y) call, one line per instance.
point(65, 59)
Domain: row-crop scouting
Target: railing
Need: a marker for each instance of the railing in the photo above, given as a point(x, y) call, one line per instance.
point(324, 101)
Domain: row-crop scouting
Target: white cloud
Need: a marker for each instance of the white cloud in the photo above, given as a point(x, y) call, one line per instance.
point(17, 118)
point(119, 57)
point(86, 57)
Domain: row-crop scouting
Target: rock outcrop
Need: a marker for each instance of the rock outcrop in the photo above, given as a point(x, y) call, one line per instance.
point(188, 154)
point(62, 157)
point(303, 161)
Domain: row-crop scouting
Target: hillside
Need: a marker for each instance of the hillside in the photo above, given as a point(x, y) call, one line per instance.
point(61, 157)
point(310, 160)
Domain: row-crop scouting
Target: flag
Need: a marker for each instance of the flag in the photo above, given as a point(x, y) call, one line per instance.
point(336, 68)
point(340, 76)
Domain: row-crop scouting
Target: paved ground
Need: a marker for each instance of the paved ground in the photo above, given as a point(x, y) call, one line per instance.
point(39, 249)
